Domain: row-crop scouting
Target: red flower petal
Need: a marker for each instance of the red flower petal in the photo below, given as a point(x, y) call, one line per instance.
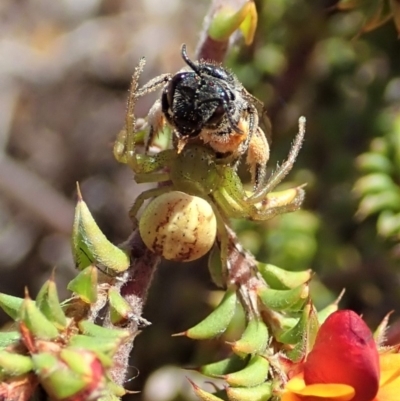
point(345, 352)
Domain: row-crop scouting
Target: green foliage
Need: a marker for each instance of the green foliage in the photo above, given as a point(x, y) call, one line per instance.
point(344, 81)
point(378, 188)
point(50, 349)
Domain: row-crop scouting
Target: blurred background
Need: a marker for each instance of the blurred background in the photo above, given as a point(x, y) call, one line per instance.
point(65, 68)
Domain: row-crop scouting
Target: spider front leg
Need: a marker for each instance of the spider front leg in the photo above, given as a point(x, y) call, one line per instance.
point(150, 169)
point(281, 172)
point(153, 84)
point(280, 202)
point(234, 202)
point(129, 136)
point(124, 146)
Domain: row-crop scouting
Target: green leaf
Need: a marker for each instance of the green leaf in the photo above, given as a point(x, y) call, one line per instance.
point(90, 245)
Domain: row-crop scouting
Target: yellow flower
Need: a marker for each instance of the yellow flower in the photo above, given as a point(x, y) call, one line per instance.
point(389, 384)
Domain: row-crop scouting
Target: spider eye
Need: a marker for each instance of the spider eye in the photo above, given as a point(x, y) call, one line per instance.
point(218, 115)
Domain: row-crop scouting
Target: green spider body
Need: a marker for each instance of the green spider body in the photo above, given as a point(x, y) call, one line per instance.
point(193, 170)
point(197, 169)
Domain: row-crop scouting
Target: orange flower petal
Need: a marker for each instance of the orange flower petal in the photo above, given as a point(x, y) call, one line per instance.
point(345, 352)
point(288, 396)
point(297, 390)
point(337, 392)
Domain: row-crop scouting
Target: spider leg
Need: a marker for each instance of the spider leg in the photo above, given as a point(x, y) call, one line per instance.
point(147, 178)
point(262, 111)
point(234, 202)
point(151, 193)
point(124, 147)
point(153, 84)
point(156, 118)
point(281, 172)
point(231, 196)
point(276, 203)
point(252, 99)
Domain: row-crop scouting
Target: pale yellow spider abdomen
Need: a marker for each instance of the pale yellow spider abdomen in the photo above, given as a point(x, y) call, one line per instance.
point(178, 226)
